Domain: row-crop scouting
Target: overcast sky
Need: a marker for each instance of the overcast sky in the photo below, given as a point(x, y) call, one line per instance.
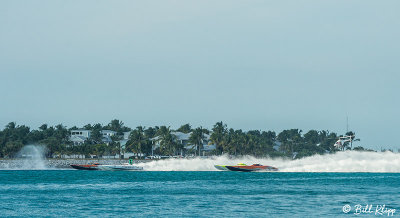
point(267, 65)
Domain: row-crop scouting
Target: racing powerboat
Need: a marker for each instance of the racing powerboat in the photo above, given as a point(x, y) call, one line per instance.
point(246, 168)
point(119, 167)
point(111, 167)
point(86, 166)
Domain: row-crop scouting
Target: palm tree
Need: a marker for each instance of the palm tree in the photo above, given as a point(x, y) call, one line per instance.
point(289, 139)
point(185, 128)
point(11, 125)
point(237, 142)
point(197, 138)
point(115, 145)
point(217, 136)
point(168, 141)
point(96, 136)
point(138, 141)
point(117, 126)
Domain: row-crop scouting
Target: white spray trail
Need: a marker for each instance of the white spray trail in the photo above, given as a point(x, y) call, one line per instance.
point(348, 161)
point(34, 158)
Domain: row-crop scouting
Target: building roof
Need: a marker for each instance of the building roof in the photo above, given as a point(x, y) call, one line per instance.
point(155, 138)
point(80, 130)
point(106, 139)
point(107, 131)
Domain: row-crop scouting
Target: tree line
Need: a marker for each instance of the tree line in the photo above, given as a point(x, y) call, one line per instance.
point(288, 143)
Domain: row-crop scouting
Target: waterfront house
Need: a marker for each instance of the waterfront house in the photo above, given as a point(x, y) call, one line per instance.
point(79, 136)
point(107, 134)
point(81, 132)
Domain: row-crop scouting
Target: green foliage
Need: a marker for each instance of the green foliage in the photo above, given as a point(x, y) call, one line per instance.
point(139, 141)
point(168, 141)
point(117, 126)
point(219, 132)
point(12, 139)
point(227, 140)
point(197, 138)
point(150, 132)
point(185, 128)
point(360, 148)
point(95, 134)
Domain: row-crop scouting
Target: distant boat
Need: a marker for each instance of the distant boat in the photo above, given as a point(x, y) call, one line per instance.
point(245, 168)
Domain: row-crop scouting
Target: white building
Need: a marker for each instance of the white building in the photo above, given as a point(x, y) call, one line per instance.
point(79, 136)
point(182, 138)
point(81, 132)
point(107, 136)
point(108, 133)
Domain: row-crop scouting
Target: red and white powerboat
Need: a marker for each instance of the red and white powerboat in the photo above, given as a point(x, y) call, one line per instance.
point(116, 167)
point(86, 166)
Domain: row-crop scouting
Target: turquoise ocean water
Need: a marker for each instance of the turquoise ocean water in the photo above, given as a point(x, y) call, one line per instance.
point(71, 193)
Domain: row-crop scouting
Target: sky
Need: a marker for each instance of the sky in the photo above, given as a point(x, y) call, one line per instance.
point(266, 65)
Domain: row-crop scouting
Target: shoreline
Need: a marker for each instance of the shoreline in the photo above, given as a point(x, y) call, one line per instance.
point(19, 163)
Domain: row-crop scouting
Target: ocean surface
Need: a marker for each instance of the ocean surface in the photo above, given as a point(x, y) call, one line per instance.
point(74, 193)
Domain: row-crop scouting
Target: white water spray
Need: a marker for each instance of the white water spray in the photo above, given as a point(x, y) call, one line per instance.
point(32, 157)
point(348, 161)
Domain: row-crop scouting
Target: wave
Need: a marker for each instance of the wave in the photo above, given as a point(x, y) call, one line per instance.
point(347, 161)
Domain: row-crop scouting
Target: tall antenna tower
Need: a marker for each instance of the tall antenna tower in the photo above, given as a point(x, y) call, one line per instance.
point(347, 124)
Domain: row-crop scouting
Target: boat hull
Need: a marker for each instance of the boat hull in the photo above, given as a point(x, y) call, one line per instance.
point(120, 168)
point(234, 168)
point(84, 167)
point(221, 167)
point(245, 168)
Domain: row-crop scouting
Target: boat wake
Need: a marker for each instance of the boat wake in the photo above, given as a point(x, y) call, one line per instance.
point(347, 161)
